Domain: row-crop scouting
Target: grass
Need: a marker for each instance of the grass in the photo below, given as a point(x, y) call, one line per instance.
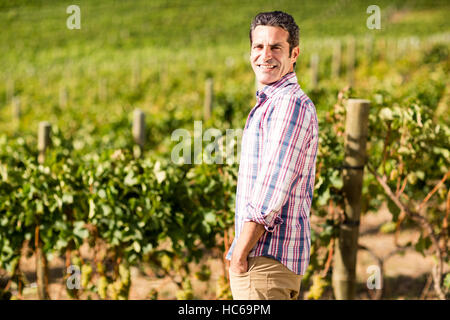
point(31, 28)
point(172, 46)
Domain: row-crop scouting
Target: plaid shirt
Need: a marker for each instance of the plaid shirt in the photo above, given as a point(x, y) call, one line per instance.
point(276, 173)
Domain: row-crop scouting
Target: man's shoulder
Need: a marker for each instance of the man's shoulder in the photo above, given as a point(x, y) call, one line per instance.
point(294, 94)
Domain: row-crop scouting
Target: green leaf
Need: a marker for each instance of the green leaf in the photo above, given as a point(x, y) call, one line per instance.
point(60, 244)
point(423, 244)
point(420, 174)
point(79, 230)
point(447, 281)
point(393, 209)
point(323, 198)
point(388, 227)
point(91, 208)
point(101, 193)
point(67, 198)
point(336, 180)
point(39, 206)
point(210, 217)
point(130, 180)
point(136, 246)
point(386, 114)
point(106, 210)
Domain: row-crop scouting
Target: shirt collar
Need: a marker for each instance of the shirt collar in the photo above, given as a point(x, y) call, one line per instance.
point(271, 89)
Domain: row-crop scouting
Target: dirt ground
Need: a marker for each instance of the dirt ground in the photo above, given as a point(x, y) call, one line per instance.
point(405, 275)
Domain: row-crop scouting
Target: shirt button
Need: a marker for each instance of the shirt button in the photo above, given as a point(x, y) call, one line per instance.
point(261, 97)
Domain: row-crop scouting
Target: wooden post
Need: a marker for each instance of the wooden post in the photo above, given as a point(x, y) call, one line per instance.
point(414, 43)
point(392, 51)
point(209, 94)
point(139, 129)
point(314, 70)
point(103, 90)
point(382, 48)
point(344, 270)
point(41, 259)
point(43, 81)
point(135, 75)
point(9, 90)
point(16, 108)
point(401, 47)
point(336, 62)
point(43, 139)
point(63, 97)
point(163, 74)
point(351, 55)
point(368, 51)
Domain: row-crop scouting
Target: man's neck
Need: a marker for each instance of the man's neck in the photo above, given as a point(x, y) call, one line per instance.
point(262, 85)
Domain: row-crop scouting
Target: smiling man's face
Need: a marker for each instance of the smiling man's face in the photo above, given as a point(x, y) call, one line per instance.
point(270, 54)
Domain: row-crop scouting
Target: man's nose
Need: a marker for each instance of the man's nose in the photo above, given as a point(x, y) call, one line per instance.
point(267, 53)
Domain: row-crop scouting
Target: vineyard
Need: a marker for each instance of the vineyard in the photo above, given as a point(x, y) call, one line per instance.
point(109, 205)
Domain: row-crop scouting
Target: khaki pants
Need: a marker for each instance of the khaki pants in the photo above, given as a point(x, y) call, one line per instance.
point(266, 279)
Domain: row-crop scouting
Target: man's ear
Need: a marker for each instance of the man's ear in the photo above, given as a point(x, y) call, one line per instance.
point(295, 53)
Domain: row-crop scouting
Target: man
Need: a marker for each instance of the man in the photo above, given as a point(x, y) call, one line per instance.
point(271, 249)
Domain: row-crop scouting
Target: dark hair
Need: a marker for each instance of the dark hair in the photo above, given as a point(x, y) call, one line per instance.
point(278, 19)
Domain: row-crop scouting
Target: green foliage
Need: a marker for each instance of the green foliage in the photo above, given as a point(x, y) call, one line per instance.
point(186, 292)
point(204, 274)
point(447, 281)
point(91, 188)
point(223, 290)
point(317, 288)
point(436, 54)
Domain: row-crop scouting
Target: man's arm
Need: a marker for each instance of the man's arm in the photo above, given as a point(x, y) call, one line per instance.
point(250, 234)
